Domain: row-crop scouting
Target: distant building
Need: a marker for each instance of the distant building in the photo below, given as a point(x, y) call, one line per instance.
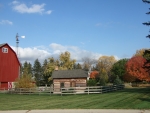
point(9, 66)
point(69, 78)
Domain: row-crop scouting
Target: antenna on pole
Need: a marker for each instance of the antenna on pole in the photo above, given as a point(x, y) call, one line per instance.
point(17, 44)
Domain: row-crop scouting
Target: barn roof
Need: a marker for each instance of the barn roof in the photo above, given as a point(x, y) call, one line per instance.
point(2, 44)
point(75, 73)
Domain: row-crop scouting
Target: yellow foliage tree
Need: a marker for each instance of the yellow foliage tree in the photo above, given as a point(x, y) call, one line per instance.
point(105, 63)
point(139, 52)
point(25, 81)
point(65, 61)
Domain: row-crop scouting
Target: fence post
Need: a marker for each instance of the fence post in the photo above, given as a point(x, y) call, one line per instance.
point(88, 90)
point(50, 90)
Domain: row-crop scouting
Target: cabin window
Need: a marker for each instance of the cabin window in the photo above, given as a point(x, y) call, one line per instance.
point(62, 85)
point(5, 50)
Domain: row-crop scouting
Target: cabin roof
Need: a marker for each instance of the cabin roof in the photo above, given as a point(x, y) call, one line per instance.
point(75, 73)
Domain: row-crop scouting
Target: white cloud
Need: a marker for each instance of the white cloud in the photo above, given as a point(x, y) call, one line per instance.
point(48, 12)
point(35, 8)
point(15, 2)
point(6, 22)
point(22, 36)
point(30, 54)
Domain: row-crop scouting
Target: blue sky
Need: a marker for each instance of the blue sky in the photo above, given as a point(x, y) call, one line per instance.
point(85, 28)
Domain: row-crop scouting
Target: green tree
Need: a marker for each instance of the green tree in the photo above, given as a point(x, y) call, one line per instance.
point(46, 75)
point(118, 70)
point(77, 66)
point(91, 82)
point(86, 66)
point(37, 72)
point(48, 70)
point(117, 81)
point(27, 67)
point(103, 77)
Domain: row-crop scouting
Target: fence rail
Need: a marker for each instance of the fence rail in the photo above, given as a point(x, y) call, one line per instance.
point(63, 91)
point(91, 90)
point(3, 90)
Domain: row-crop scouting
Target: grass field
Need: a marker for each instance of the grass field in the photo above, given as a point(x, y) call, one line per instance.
point(137, 98)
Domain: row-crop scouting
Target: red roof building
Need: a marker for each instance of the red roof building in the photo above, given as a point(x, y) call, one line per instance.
point(9, 66)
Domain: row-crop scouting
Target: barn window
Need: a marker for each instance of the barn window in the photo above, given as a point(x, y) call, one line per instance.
point(5, 50)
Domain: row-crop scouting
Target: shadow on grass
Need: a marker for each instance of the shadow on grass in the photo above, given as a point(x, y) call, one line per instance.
point(137, 90)
point(145, 99)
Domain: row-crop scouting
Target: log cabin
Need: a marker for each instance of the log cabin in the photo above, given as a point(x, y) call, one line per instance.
point(69, 78)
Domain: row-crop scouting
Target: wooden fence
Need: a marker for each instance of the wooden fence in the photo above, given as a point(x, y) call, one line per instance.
point(91, 90)
point(64, 91)
point(3, 90)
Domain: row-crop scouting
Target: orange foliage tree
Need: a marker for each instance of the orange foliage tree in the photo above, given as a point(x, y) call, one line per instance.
point(134, 69)
point(94, 74)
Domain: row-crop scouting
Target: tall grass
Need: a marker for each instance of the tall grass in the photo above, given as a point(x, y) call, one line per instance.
point(137, 98)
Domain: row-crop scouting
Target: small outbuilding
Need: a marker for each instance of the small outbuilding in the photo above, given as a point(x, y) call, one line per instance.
point(69, 78)
point(9, 66)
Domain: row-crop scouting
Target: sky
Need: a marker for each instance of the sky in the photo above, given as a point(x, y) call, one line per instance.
point(85, 28)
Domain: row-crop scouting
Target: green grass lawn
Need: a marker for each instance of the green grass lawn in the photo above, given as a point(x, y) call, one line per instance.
point(133, 98)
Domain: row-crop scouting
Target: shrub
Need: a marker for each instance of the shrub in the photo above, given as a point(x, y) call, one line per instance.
point(91, 82)
point(117, 81)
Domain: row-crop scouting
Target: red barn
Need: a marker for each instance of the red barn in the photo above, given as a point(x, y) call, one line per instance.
point(9, 66)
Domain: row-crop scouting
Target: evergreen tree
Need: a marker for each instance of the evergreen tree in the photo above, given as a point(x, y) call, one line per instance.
point(37, 72)
point(26, 68)
point(147, 23)
point(45, 75)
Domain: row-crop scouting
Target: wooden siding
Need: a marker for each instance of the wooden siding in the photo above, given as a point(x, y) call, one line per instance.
point(9, 66)
point(78, 82)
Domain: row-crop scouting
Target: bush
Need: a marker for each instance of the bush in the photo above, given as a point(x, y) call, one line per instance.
point(102, 82)
point(117, 81)
point(91, 82)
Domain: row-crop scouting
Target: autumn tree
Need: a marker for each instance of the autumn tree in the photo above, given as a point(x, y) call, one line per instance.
point(139, 52)
point(105, 63)
point(134, 68)
point(94, 74)
point(66, 62)
point(118, 70)
point(25, 81)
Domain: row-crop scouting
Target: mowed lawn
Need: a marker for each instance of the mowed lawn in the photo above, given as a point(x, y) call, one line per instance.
point(133, 98)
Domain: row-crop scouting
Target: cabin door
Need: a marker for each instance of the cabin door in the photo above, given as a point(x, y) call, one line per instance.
point(73, 84)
